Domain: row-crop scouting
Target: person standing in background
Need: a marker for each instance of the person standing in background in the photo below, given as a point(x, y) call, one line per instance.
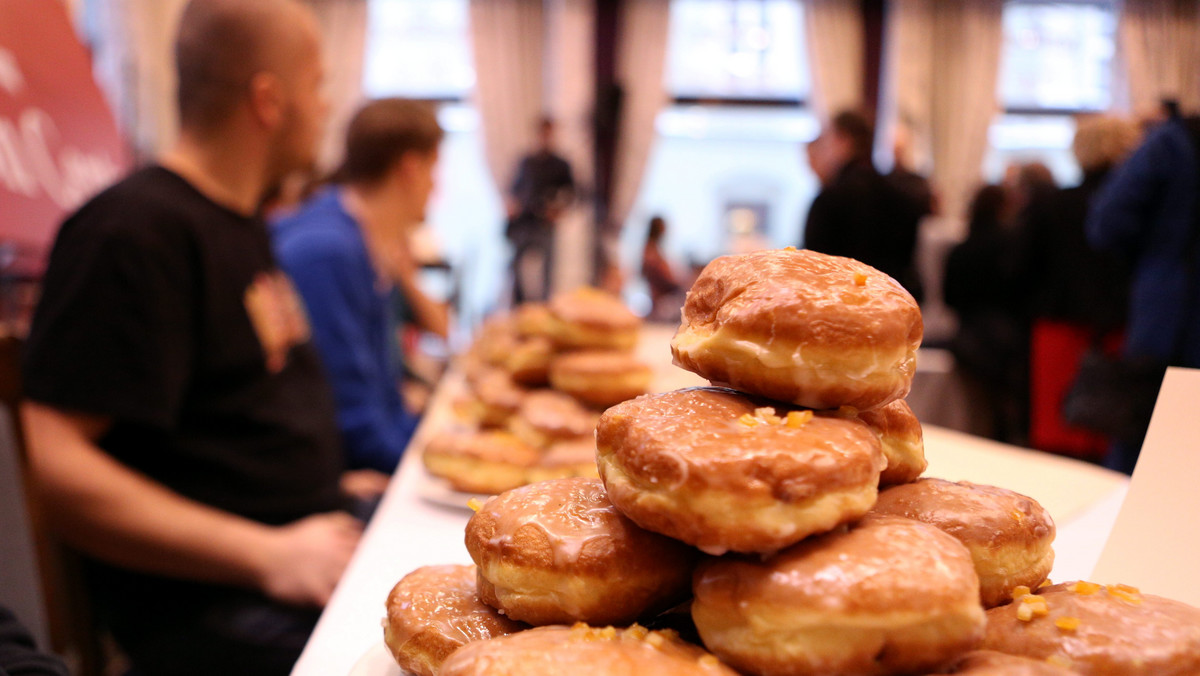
point(180, 428)
point(858, 213)
point(541, 192)
point(1148, 213)
point(1078, 296)
point(347, 250)
point(983, 285)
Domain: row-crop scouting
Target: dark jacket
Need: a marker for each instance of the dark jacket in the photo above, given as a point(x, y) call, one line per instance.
point(1146, 212)
point(1070, 280)
point(861, 215)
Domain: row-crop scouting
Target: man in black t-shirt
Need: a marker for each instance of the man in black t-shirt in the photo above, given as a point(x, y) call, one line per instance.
point(179, 424)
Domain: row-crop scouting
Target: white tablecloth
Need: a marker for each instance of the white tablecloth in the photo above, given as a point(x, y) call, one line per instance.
point(414, 526)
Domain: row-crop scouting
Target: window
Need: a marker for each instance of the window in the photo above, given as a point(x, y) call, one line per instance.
point(421, 49)
point(1058, 60)
point(752, 49)
point(727, 169)
point(1058, 56)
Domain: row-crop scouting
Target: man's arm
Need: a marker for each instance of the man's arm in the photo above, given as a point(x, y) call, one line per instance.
point(431, 315)
point(119, 516)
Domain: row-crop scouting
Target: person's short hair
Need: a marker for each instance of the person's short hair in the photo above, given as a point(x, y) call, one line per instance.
point(1102, 141)
point(219, 47)
point(381, 132)
point(858, 129)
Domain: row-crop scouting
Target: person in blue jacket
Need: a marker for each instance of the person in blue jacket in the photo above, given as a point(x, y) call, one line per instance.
point(347, 252)
point(1147, 212)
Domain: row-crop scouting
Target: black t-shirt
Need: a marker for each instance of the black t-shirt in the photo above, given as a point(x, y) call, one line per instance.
point(165, 312)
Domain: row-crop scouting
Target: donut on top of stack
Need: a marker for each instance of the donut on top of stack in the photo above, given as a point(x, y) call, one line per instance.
point(816, 330)
point(588, 318)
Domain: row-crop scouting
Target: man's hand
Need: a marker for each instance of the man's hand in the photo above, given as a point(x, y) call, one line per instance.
point(364, 484)
point(304, 560)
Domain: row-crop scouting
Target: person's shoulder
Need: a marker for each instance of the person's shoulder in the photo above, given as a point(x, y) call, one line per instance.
point(318, 231)
point(149, 207)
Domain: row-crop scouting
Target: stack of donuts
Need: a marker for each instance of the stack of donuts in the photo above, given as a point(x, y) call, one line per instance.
point(776, 521)
point(538, 380)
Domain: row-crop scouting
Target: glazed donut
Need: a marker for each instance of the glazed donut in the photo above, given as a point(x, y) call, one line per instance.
point(589, 318)
point(1009, 535)
point(724, 471)
point(992, 663)
point(496, 397)
point(799, 326)
point(903, 444)
point(533, 320)
point(1094, 630)
point(886, 596)
point(488, 462)
point(600, 378)
point(557, 551)
point(565, 459)
point(584, 651)
point(435, 610)
point(529, 361)
point(547, 416)
point(495, 339)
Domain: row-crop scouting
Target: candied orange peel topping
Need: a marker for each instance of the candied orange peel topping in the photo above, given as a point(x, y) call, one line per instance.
point(1032, 606)
point(1125, 593)
point(1019, 592)
point(799, 418)
point(748, 420)
point(474, 504)
point(1045, 583)
point(767, 415)
point(860, 279)
point(1084, 588)
point(1067, 623)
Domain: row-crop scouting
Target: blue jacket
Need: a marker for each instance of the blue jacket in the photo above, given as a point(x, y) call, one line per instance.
point(1146, 211)
point(321, 248)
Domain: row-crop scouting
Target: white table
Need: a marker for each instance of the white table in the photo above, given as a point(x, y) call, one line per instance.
point(410, 531)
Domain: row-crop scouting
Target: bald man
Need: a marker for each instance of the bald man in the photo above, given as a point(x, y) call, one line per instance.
point(179, 425)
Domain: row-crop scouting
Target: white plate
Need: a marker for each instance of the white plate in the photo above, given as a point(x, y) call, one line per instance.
point(439, 492)
point(377, 661)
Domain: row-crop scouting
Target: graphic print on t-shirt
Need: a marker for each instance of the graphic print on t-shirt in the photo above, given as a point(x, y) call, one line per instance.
point(277, 316)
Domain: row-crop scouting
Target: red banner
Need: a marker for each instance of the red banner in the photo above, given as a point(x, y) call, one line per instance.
point(59, 144)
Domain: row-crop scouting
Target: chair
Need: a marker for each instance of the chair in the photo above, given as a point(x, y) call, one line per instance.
point(73, 631)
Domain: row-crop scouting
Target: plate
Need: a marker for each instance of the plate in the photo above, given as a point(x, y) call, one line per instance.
point(377, 661)
point(439, 492)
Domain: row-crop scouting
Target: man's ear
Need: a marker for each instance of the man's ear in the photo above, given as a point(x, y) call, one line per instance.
point(267, 100)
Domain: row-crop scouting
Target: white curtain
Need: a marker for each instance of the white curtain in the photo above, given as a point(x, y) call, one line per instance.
point(641, 58)
point(943, 61)
point(134, 53)
point(1160, 40)
point(344, 32)
point(834, 32)
point(569, 93)
point(507, 38)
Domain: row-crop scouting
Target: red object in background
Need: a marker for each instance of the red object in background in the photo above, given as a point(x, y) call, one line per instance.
point(1055, 351)
point(59, 144)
